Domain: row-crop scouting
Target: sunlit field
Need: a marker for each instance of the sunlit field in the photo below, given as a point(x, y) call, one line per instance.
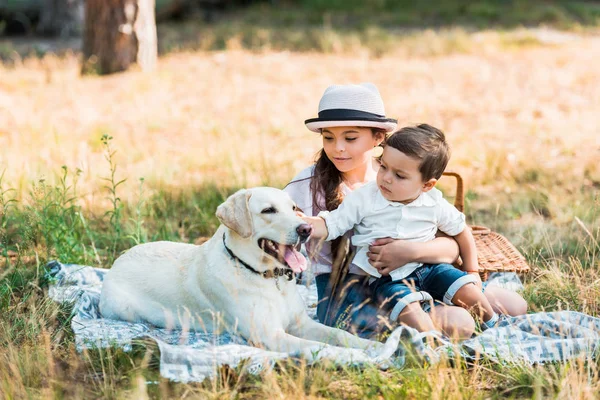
point(521, 110)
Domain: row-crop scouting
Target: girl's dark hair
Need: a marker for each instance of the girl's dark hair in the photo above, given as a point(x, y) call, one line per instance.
point(425, 143)
point(327, 180)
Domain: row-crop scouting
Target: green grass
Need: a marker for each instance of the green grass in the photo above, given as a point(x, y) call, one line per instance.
point(38, 357)
point(478, 14)
point(340, 26)
point(379, 25)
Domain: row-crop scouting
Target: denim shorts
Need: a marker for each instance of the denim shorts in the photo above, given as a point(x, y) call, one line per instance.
point(431, 282)
point(356, 312)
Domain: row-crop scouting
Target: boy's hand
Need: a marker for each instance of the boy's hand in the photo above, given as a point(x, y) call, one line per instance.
point(306, 218)
point(319, 228)
point(301, 214)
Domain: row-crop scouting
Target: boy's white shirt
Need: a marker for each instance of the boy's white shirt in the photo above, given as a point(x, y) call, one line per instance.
point(372, 217)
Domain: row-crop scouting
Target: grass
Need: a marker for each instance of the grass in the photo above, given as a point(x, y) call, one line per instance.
point(496, 13)
point(376, 26)
point(91, 166)
point(333, 26)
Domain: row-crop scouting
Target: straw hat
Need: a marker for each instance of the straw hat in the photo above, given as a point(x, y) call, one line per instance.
point(351, 105)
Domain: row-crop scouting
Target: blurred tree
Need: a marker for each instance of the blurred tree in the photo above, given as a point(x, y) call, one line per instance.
point(118, 33)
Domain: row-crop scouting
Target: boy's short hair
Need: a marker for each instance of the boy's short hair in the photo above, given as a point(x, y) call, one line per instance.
point(425, 143)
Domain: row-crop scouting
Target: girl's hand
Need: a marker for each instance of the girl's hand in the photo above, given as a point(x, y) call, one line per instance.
point(388, 254)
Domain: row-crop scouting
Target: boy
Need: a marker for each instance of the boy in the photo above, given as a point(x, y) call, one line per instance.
point(403, 204)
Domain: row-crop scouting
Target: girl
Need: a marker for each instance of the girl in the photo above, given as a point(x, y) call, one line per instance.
point(352, 122)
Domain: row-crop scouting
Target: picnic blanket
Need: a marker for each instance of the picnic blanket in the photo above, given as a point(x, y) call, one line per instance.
point(194, 356)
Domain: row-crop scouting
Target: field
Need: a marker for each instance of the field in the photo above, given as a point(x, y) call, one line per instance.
point(90, 166)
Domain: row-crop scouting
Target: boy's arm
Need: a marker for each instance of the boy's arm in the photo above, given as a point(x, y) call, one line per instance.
point(468, 252)
point(333, 224)
point(452, 222)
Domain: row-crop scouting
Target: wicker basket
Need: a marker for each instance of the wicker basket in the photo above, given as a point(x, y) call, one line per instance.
point(494, 252)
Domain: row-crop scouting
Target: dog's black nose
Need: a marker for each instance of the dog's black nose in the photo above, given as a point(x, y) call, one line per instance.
point(304, 231)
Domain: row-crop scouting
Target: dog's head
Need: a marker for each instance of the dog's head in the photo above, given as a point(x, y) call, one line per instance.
point(264, 227)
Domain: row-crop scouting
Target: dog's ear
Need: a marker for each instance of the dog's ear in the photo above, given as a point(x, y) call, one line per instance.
point(234, 213)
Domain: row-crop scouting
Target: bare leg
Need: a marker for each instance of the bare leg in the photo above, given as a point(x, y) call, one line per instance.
point(413, 315)
point(454, 322)
point(505, 301)
point(470, 297)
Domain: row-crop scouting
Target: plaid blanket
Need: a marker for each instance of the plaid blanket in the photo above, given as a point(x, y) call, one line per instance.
point(194, 356)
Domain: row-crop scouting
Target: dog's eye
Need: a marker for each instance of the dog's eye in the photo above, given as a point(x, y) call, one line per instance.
point(269, 210)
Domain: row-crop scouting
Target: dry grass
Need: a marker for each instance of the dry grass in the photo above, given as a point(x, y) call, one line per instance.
point(522, 118)
point(239, 116)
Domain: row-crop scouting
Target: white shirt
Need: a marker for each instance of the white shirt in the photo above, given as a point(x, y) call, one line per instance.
point(319, 252)
point(373, 217)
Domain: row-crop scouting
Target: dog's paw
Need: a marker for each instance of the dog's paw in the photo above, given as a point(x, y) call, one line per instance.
point(338, 355)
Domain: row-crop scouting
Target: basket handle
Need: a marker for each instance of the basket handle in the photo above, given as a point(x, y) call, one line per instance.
point(480, 230)
point(459, 200)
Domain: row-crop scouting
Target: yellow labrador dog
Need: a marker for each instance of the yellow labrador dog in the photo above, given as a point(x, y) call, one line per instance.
point(242, 278)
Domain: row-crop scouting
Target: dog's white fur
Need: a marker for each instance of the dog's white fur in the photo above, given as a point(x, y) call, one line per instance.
point(176, 285)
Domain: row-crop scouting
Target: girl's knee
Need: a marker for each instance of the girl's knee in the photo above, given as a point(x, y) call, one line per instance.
point(506, 301)
point(521, 307)
point(517, 306)
point(454, 322)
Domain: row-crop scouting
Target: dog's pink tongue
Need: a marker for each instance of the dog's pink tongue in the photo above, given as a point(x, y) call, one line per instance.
point(294, 259)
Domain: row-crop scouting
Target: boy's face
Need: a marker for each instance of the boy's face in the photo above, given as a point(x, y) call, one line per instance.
point(399, 178)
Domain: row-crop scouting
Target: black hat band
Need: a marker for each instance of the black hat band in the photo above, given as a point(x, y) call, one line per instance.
point(343, 113)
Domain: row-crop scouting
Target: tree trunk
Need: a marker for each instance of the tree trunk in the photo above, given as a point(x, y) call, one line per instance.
point(61, 17)
point(119, 33)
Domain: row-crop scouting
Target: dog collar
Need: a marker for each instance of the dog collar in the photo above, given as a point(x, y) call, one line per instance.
point(271, 273)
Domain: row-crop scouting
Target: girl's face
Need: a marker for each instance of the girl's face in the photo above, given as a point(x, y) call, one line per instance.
point(349, 148)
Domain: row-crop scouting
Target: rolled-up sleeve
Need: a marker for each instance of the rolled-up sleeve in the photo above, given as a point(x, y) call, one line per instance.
point(450, 221)
point(346, 216)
